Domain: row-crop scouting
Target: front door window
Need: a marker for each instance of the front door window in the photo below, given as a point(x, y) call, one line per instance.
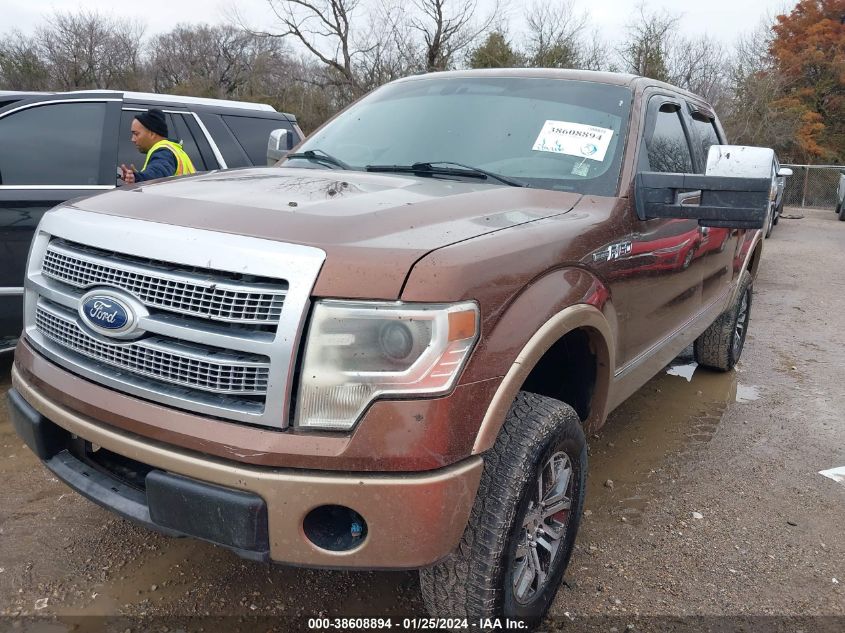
point(53, 144)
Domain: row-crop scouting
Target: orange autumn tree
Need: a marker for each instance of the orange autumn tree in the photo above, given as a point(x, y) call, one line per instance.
point(809, 50)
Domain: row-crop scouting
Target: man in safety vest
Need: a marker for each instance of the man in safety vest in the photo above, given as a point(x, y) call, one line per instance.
point(164, 157)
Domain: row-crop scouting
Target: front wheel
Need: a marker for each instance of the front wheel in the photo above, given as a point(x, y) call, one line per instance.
point(720, 346)
point(523, 524)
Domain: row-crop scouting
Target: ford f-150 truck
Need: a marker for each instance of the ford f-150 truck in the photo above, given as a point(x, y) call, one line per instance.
point(388, 351)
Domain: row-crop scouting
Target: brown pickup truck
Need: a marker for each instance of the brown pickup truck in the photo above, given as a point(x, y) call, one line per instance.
point(388, 351)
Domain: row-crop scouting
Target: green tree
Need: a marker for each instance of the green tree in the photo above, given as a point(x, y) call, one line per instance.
point(495, 52)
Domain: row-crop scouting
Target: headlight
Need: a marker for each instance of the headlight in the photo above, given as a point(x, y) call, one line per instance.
point(358, 351)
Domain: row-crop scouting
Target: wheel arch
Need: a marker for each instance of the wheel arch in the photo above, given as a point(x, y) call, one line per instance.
point(579, 332)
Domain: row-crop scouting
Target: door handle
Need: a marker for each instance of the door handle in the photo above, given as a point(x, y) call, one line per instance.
point(689, 198)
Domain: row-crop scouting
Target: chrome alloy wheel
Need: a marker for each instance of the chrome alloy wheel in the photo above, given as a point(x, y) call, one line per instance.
point(543, 528)
point(741, 325)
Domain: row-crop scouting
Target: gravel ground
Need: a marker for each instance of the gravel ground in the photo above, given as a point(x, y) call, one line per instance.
point(705, 508)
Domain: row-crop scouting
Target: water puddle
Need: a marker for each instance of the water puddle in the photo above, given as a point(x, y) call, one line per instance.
point(685, 370)
point(747, 393)
point(670, 415)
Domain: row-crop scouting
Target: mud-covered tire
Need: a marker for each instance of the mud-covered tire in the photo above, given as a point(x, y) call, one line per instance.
point(720, 346)
point(477, 579)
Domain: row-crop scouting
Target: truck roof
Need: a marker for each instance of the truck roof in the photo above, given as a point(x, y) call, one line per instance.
point(617, 79)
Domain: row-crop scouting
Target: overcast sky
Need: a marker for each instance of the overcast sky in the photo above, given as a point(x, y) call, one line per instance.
point(723, 19)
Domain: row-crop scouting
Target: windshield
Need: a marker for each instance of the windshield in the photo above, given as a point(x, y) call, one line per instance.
point(546, 133)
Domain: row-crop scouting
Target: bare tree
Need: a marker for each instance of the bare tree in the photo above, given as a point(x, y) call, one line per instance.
point(554, 35)
point(21, 66)
point(700, 66)
point(388, 46)
point(214, 61)
point(645, 50)
point(596, 53)
point(750, 115)
point(91, 50)
point(324, 29)
point(447, 28)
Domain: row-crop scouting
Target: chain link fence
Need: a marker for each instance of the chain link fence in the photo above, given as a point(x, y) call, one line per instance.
point(812, 185)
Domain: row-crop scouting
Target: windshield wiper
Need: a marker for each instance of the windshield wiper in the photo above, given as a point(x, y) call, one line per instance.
point(431, 168)
point(321, 157)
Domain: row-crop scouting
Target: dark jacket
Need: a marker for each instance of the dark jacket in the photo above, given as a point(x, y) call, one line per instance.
point(162, 164)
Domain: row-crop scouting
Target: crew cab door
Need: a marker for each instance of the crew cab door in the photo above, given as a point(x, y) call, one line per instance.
point(52, 149)
point(662, 288)
point(717, 248)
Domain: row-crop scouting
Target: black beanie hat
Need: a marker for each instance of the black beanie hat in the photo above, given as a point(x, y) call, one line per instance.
point(154, 121)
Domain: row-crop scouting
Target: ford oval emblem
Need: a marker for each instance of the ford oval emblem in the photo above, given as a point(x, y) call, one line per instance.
point(104, 312)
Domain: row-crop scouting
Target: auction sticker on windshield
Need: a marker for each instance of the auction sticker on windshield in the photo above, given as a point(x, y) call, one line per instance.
point(574, 139)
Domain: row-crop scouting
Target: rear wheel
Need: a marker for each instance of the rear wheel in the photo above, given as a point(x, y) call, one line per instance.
point(720, 346)
point(522, 528)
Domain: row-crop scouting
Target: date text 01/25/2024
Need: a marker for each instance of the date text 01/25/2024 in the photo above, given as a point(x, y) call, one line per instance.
point(415, 624)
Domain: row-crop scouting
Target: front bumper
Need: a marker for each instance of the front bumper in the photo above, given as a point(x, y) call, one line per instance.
point(413, 520)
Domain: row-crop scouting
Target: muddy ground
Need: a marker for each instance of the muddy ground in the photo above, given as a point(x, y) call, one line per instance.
point(716, 507)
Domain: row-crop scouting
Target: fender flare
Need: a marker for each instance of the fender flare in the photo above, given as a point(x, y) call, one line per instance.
point(751, 263)
point(579, 316)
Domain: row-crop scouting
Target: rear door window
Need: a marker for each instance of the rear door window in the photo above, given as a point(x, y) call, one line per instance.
point(203, 147)
point(253, 133)
point(706, 136)
point(232, 152)
point(180, 132)
point(53, 144)
point(667, 150)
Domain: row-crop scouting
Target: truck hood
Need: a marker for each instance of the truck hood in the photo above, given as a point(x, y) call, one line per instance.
point(373, 227)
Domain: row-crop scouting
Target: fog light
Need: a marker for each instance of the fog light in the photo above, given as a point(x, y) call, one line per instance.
point(335, 528)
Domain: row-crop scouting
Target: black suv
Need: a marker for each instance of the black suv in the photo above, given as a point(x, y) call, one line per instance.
point(58, 146)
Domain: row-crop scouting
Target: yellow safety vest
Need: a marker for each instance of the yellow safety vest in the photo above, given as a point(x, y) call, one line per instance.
point(183, 161)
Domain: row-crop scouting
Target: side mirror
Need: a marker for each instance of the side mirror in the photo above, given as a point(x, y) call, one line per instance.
point(784, 171)
point(277, 145)
point(733, 193)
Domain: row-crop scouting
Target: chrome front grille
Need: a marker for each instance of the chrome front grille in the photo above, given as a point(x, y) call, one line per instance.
point(216, 317)
point(197, 367)
point(163, 286)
